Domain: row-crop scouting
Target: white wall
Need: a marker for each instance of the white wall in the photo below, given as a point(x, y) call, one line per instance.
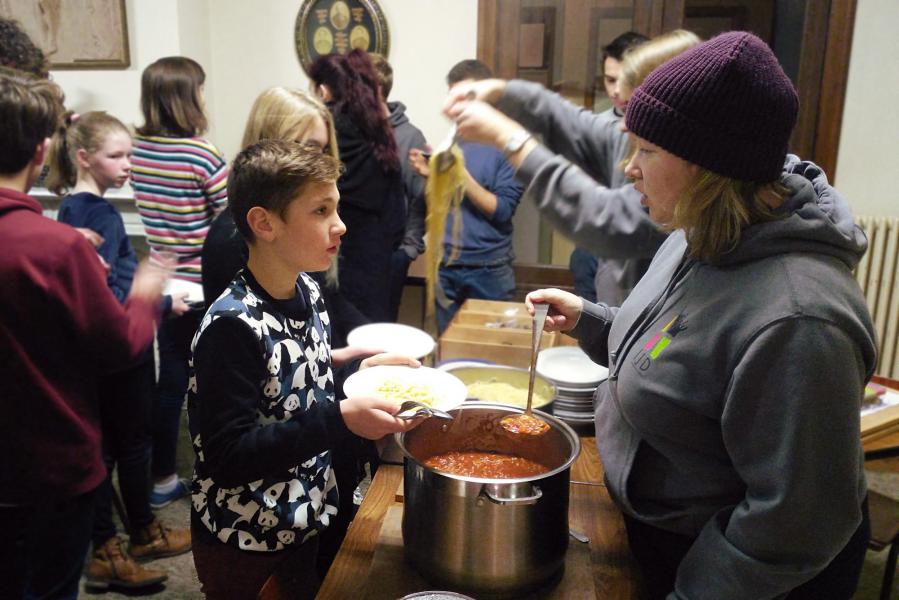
point(868, 160)
point(254, 49)
point(152, 33)
point(246, 47)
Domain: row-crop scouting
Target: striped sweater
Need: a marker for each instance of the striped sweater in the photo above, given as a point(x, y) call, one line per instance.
point(180, 184)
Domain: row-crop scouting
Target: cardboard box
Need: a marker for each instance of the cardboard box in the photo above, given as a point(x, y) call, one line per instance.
point(499, 332)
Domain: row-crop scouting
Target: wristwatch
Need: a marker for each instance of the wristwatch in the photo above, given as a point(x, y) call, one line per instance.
point(516, 142)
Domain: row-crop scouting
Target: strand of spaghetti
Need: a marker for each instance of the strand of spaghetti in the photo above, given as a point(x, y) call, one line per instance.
point(444, 192)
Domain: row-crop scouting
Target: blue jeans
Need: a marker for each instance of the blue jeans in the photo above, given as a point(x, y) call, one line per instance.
point(44, 547)
point(582, 265)
point(489, 282)
point(174, 338)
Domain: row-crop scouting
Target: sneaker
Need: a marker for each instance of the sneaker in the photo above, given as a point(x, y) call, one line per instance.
point(111, 566)
point(157, 541)
point(181, 489)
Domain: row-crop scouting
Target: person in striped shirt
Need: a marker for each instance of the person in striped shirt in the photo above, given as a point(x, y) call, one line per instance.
point(180, 184)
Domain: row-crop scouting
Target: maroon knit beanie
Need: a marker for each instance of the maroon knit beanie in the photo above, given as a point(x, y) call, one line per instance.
point(725, 105)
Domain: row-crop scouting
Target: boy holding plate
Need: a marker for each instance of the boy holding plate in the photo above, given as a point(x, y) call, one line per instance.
point(263, 416)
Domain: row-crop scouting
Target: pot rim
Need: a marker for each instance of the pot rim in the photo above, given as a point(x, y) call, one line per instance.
point(569, 433)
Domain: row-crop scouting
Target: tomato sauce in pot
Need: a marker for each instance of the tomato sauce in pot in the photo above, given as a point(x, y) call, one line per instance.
point(487, 465)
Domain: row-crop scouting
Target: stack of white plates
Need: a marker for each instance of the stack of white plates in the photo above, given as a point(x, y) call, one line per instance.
point(575, 377)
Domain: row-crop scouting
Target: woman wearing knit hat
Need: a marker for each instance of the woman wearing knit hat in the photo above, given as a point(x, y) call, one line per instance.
point(728, 428)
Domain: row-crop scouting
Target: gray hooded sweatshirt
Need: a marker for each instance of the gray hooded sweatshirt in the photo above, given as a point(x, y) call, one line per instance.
point(580, 150)
point(409, 136)
point(732, 409)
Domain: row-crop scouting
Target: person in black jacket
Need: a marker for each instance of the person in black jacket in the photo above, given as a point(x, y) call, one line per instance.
point(408, 136)
point(371, 187)
point(284, 114)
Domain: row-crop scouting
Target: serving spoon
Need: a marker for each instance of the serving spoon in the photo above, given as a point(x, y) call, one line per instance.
point(444, 158)
point(420, 409)
point(527, 423)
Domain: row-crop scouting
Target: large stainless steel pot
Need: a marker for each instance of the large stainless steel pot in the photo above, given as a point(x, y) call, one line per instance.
point(496, 537)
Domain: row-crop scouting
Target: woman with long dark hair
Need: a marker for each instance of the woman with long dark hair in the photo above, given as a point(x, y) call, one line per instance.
point(371, 189)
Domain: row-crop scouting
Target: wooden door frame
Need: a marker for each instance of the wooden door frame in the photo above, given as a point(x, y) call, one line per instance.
point(818, 132)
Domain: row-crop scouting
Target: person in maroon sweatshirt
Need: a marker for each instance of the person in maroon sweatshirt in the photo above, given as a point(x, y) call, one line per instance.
point(60, 329)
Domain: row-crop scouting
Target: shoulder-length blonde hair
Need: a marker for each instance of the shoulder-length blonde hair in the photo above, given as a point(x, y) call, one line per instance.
point(640, 61)
point(171, 98)
point(283, 114)
point(715, 209)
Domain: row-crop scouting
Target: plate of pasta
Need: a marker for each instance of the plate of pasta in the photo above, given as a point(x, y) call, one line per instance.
point(432, 387)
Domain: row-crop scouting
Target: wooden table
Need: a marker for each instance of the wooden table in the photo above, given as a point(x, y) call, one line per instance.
point(606, 571)
point(883, 422)
point(591, 511)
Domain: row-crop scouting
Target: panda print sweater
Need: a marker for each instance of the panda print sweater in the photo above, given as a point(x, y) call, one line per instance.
point(263, 417)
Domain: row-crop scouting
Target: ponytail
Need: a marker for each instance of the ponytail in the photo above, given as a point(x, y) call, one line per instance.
point(77, 132)
point(63, 173)
point(354, 84)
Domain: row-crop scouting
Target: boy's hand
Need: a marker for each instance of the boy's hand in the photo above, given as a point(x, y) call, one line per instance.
point(418, 162)
point(388, 358)
point(341, 356)
point(179, 304)
point(372, 418)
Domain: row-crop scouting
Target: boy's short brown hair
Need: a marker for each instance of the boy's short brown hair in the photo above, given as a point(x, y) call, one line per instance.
point(468, 69)
point(384, 72)
point(30, 111)
point(271, 174)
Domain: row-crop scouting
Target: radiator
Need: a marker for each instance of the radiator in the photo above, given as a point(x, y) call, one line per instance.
point(877, 275)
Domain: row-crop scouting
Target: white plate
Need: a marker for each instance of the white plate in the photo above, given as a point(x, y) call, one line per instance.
point(446, 389)
point(392, 337)
point(194, 290)
point(459, 363)
point(569, 365)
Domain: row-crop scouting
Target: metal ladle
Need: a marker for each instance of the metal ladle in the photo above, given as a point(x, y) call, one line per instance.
point(444, 158)
point(420, 409)
point(527, 423)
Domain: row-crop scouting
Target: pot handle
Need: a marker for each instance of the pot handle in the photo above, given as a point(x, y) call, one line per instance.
point(492, 492)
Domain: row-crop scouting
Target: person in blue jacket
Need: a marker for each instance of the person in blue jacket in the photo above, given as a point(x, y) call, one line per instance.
point(479, 263)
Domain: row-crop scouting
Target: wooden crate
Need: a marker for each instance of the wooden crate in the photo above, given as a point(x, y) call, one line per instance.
point(473, 333)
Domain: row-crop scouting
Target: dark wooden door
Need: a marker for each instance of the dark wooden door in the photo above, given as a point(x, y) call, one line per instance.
point(558, 43)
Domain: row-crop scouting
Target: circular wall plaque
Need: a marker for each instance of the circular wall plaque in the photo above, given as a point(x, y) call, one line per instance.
point(338, 26)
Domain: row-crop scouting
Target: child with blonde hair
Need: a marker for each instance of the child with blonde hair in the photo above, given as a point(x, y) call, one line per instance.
point(89, 155)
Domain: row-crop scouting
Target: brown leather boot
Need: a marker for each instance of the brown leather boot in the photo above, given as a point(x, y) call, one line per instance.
point(111, 566)
point(156, 541)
